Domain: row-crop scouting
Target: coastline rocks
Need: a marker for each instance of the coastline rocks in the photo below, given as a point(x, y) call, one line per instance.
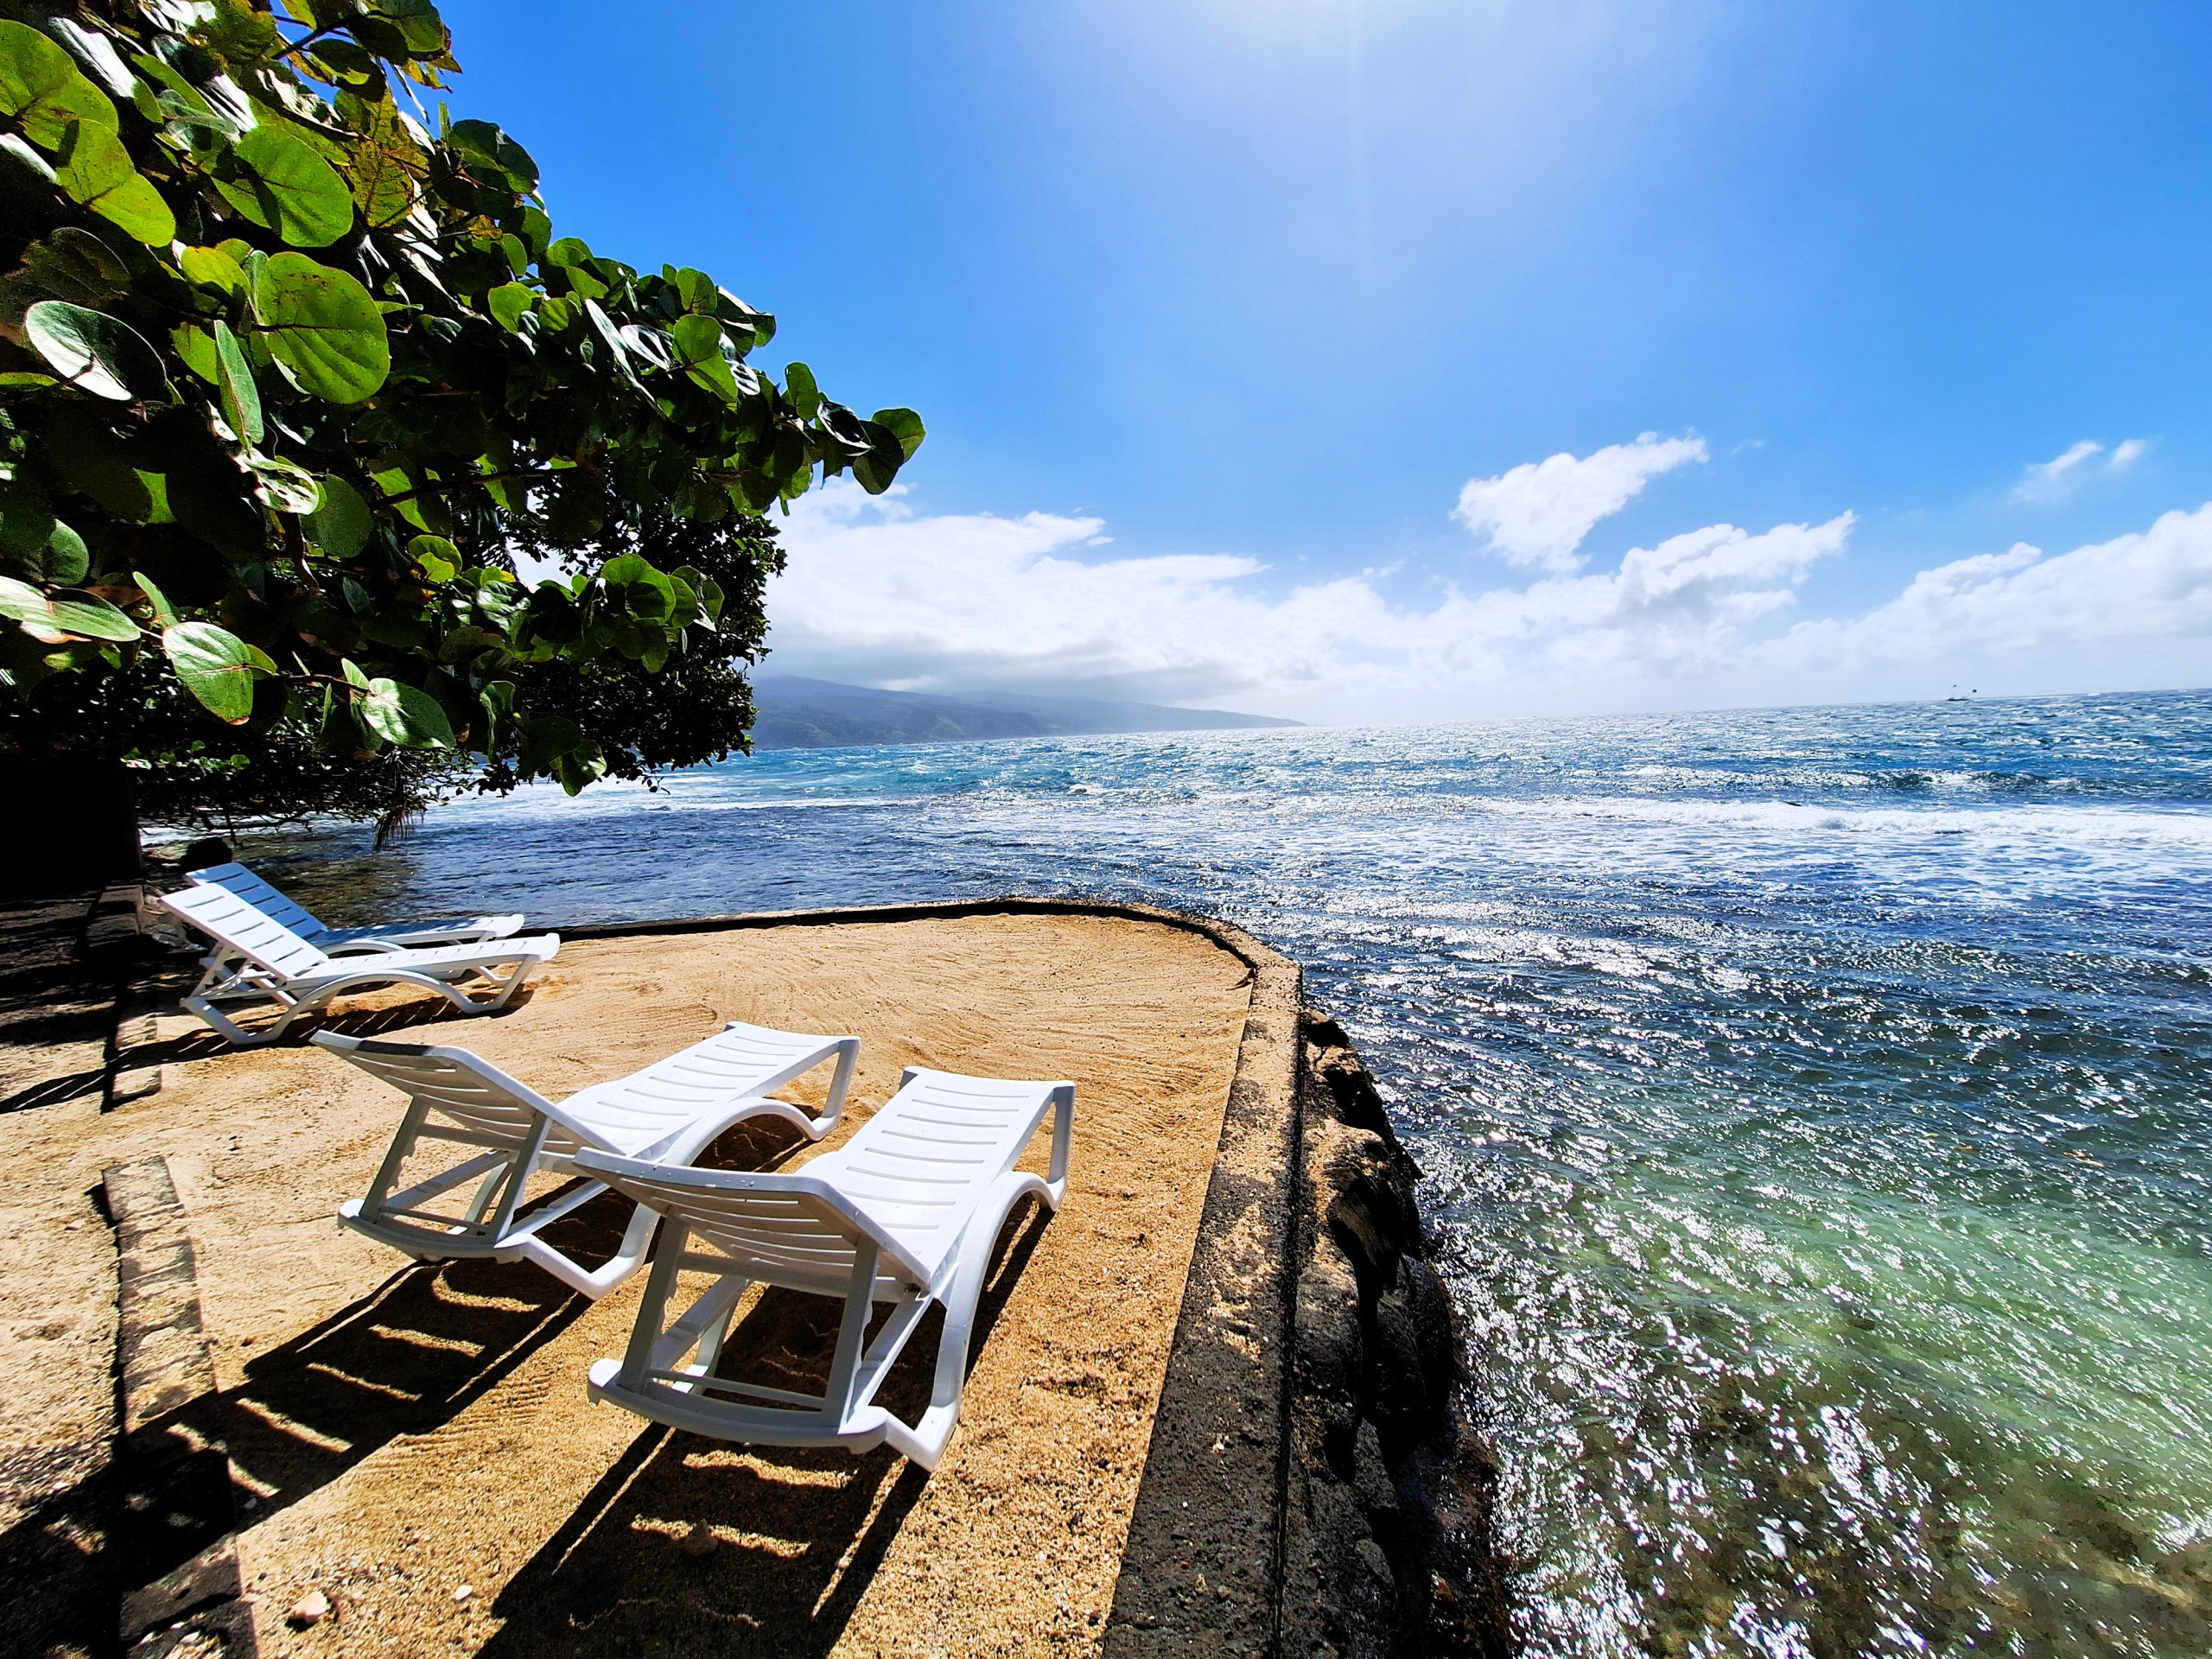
point(1389, 1548)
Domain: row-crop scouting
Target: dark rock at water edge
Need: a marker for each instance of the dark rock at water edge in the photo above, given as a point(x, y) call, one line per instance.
point(1388, 1539)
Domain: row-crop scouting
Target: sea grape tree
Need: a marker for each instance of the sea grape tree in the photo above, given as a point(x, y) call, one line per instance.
point(290, 367)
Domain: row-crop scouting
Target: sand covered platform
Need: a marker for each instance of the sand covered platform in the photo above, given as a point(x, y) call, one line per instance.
point(414, 1441)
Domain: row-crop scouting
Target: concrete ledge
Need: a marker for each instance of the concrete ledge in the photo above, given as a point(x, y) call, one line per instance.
point(161, 1350)
point(1202, 1569)
point(177, 1498)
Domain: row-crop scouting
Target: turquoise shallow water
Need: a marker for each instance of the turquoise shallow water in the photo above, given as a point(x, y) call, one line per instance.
point(1819, 1103)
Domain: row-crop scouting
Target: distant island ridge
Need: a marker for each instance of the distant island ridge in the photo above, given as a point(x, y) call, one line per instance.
point(797, 713)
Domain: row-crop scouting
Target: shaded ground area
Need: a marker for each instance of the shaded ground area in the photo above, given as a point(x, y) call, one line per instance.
point(61, 962)
point(400, 1433)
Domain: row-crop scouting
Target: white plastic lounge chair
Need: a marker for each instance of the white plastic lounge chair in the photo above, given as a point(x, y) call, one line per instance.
point(280, 907)
point(906, 1212)
point(672, 1111)
point(256, 959)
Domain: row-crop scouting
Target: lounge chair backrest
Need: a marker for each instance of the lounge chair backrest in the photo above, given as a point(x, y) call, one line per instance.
point(633, 1113)
point(279, 908)
point(940, 1134)
point(493, 1108)
point(788, 1229)
point(247, 929)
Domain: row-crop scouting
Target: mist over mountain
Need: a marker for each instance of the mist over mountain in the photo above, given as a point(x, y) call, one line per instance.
point(797, 713)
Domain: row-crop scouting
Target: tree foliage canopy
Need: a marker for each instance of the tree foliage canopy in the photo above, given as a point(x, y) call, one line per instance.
point(286, 380)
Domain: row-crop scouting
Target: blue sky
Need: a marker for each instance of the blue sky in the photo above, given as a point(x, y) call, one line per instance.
point(1214, 310)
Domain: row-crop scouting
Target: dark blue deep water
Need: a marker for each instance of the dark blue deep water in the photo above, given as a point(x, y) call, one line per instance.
point(1820, 1101)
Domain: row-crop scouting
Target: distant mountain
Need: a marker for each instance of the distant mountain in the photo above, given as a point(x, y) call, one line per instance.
point(796, 713)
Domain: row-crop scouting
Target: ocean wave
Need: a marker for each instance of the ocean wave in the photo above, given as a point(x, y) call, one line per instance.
point(2132, 826)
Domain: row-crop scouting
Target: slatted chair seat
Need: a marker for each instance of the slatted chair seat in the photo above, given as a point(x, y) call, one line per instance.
point(256, 959)
point(672, 1110)
point(905, 1213)
point(280, 907)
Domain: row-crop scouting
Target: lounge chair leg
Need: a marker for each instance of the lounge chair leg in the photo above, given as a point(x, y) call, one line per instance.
point(652, 1311)
point(925, 1442)
point(234, 1033)
point(485, 1191)
point(833, 1107)
point(852, 1333)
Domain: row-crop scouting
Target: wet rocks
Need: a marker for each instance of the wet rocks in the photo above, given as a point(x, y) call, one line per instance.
point(1389, 1548)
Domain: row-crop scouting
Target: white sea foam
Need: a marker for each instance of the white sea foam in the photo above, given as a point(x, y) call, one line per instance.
point(2042, 822)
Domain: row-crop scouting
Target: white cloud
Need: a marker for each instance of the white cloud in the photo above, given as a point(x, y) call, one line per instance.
point(1538, 513)
point(2150, 587)
point(2057, 479)
point(874, 593)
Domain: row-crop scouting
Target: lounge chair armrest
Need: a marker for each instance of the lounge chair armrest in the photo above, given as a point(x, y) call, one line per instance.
point(966, 1287)
point(1062, 1138)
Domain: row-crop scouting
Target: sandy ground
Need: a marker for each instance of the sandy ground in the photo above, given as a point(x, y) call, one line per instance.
point(416, 1439)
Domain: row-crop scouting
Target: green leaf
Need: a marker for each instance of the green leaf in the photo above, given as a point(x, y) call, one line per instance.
point(284, 485)
point(697, 291)
point(21, 602)
point(241, 397)
point(347, 64)
point(905, 425)
point(497, 701)
point(491, 156)
point(95, 169)
point(386, 167)
point(339, 733)
point(164, 613)
point(699, 348)
point(53, 620)
point(800, 391)
point(194, 112)
point(43, 90)
point(353, 675)
point(340, 525)
point(421, 33)
point(507, 302)
point(633, 585)
point(277, 181)
point(545, 739)
point(216, 666)
point(96, 352)
point(437, 558)
point(213, 269)
point(323, 326)
point(92, 617)
point(60, 560)
point(705, 591)
point(197, 347)
point(405, 716)
point(579, 768)
point(74, 264)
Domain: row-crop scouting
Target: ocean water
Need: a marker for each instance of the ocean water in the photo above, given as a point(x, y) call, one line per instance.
point(1819, 1102)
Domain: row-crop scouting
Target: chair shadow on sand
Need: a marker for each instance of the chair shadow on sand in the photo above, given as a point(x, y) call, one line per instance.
point(404, 1360)
point(416, 1352)
point(698, 1545)
point(414, 1013)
